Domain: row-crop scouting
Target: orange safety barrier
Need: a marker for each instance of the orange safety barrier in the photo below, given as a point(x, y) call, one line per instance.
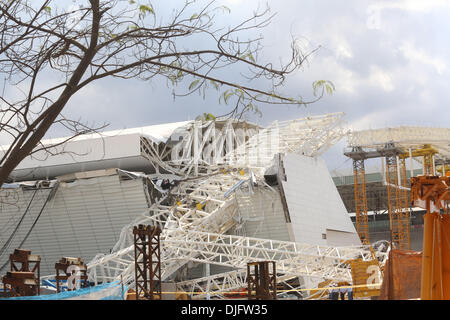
point(402, 273)
point(436, 257)
point(433, 194)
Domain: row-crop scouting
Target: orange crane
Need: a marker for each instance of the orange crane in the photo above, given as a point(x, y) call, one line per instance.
point(397, 190)
point(397, 201)
point(433, 194)
point(427, 152)
point(362, 223)
point(359, 183)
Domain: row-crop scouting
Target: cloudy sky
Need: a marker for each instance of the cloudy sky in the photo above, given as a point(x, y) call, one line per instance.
point(387, 59)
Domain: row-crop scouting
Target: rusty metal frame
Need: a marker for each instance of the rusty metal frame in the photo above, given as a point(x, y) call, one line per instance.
point(63, 264)
point(147, 253)
point(23, 280)
point(261, 281)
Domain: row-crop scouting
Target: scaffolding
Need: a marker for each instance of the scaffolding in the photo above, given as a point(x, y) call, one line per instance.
point(362, 223)
point(404, 205)
point(262, 280)
point(147, 264)
point(73, 271)
point(398, 216)
point(394, 145)
point(23, 279)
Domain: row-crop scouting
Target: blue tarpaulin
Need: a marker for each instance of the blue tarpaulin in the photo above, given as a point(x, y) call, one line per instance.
point(107, 291)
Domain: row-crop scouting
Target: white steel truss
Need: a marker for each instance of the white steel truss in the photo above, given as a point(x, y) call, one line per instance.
point(292, 258)
point(195, 214)
point(213, 144)
point(221, 285)
point(202, 207)
point(407, 137)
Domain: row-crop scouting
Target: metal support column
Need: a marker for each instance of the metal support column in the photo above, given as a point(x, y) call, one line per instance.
point(358, 155)
point(73, 270)
point(262, 282)
point(404, 205)
point(394, 204)
point(147, 262)
point(23, 279)
point(362, 220)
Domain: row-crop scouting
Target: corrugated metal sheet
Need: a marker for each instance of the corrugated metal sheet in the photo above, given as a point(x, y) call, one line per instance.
point(262, 215)
point(84, 218)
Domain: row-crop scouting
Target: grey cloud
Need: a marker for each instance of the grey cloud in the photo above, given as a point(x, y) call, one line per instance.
point(419, 95)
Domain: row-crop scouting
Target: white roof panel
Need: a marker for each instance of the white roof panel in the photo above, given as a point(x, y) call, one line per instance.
point(109, 149)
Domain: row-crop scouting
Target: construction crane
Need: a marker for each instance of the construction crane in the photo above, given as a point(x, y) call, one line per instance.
point(396, 184)
point(433, 194)
point(396, 180)
point(397, 199)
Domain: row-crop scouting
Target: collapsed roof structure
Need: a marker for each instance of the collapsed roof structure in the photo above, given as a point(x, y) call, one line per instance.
point(223, 192)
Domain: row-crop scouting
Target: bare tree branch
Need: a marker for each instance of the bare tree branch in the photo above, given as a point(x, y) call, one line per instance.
point(123, 39)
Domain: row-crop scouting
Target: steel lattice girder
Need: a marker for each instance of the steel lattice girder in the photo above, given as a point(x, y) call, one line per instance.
point(310, 136)
point(217, 216)
point(362, 223)
point(202, 146)
point(222, 283)
point(292, 258)
point(407, 137)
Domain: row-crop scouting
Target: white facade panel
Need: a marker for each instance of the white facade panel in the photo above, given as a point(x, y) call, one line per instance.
point(262, 215)
point(83, 219)
point(313, 201)
point(341, 238)
point(111, 149)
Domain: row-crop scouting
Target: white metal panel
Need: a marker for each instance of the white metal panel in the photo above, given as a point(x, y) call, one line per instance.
point(110, 149)
point(74, 156)
point(313, 201)
point(83, 219)
point(341, 238)
point(262, 215)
